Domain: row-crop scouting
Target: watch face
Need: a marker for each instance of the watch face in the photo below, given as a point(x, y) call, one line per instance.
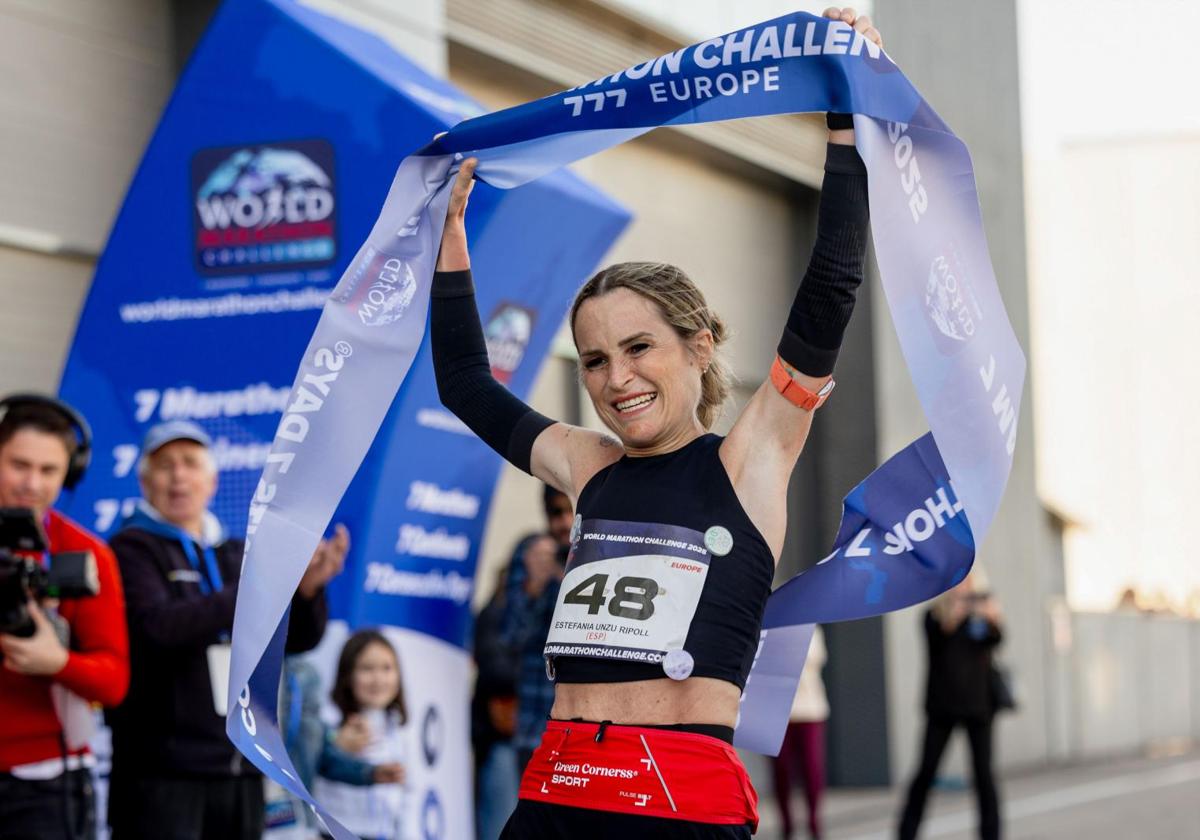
point(826, 388)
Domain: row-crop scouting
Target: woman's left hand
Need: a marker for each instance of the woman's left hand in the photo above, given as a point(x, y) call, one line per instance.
point(454, 254)
point(861, 23)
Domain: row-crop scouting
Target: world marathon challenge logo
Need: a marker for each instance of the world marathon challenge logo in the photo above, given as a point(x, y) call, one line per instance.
point(507, 335)
point(950, 301)
point(264, 208)
point(379, 289)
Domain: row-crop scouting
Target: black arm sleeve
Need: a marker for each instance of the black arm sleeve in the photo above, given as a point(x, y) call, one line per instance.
point(464, 374)
point(826, 296)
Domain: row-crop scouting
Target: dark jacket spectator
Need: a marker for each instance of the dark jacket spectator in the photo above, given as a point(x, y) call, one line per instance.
point(493, 703)
point(958, 683)
point(532, 590)
point(962, 630)
point(167, 725)
point(173, 765)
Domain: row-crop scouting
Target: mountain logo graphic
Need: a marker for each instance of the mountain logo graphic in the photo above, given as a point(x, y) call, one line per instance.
point(267, 208)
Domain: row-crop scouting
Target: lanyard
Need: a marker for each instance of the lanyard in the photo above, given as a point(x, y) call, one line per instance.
point(210, 576)
point(210, 573)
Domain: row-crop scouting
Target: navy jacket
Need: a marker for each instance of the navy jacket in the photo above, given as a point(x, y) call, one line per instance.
point(167, 728)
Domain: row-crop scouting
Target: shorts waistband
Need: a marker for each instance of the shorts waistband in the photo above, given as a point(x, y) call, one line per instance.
point(645, 770)
point(712, 730)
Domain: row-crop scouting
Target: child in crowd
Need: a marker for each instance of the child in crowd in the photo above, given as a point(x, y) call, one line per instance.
point(370, 695)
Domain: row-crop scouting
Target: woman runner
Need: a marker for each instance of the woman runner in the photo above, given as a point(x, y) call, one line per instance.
point(677, 530)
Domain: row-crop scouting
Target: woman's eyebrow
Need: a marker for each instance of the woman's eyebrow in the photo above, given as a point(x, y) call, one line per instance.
point(636, 337)
point(624, 342)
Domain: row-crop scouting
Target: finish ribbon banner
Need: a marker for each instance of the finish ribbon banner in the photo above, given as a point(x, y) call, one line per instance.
point(909, 529)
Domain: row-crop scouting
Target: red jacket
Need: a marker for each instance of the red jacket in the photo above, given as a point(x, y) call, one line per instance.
point(97, 666)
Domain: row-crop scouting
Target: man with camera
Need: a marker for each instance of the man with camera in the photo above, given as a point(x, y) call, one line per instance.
point(60, 652)
point(176, 776)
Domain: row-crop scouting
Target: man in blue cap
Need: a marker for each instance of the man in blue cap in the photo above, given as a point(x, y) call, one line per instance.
point(175, 773)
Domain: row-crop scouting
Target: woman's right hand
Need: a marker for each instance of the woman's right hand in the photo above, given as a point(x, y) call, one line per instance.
point(454, 255)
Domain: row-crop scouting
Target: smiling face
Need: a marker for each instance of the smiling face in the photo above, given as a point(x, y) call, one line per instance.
point(642, 376)
point(375, 680)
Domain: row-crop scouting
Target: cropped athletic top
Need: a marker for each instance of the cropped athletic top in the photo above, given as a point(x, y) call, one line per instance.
point(688, 488)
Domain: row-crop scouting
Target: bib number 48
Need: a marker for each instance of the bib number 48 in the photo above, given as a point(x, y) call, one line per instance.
point(633, 597)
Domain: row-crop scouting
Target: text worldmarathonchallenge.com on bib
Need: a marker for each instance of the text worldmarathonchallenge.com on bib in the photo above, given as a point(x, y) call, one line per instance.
point(606, 652)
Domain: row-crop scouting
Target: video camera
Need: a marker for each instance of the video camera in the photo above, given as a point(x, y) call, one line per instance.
point(69, 574)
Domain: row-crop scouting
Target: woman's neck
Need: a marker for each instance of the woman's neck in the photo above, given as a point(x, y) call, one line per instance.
point(669, 442)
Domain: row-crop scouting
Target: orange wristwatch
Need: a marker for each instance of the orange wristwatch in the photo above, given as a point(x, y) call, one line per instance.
point(794, 392)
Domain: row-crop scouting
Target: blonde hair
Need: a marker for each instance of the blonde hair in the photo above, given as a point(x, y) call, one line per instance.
point(683, 306)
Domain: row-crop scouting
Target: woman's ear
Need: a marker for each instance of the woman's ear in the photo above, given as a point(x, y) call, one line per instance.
point(703, 346)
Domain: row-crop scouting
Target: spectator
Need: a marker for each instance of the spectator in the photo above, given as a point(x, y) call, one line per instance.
point(369, 691)
point(962, 630)
point(803, 746)
point(494, 717)
point(560, 516)
point(529, 609)
point(175, 774)
point(531, 592)
point(46, 683)
point(513, 697)
point(311, 743)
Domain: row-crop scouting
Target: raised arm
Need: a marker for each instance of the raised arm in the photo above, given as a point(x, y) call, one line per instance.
point(563, 456)
point(765, 442)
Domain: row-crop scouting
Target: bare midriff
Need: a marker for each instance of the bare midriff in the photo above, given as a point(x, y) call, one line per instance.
point(656, 702)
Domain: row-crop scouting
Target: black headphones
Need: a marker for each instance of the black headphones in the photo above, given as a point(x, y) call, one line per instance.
point(82, 456)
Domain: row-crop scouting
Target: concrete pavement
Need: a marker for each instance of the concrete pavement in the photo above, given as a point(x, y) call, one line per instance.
point(1143, 798)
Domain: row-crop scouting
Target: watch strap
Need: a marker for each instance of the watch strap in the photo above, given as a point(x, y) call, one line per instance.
point(794, 392)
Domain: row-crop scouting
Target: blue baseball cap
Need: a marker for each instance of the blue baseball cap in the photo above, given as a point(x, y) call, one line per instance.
point(171, 431)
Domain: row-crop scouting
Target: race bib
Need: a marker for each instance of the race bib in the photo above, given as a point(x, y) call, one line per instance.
point(631, 590)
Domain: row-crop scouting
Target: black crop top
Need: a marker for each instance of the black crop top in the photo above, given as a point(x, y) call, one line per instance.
point(691, 489)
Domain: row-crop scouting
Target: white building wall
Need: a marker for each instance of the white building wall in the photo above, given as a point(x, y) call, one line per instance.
point(1134, 681)
point(694, 19)
point(83, 86)
point(1113, 214)
point(416, 29)
point(1114, 250)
